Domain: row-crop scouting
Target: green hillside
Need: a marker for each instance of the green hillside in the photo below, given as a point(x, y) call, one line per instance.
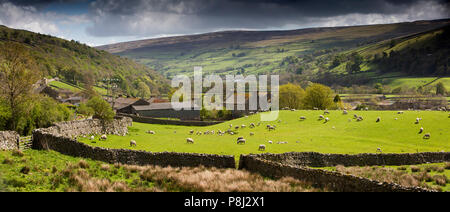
point(78, 63)
point(317, 54)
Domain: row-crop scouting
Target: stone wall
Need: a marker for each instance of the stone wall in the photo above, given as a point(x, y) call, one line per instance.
point(149, 120)
point(59, 138)
point(334, 181)
point(118, 126)
point(69, 146)
point(314, 159)
point(9, 140)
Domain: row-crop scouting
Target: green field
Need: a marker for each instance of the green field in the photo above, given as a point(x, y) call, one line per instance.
point(339, 135)
point(49, 171)
point(424, 175)
point(64, 86)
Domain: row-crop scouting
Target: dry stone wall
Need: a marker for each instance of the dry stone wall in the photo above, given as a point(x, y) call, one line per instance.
point(320, 178)
point(314, 159)
point(9, 140)
point(59, 138)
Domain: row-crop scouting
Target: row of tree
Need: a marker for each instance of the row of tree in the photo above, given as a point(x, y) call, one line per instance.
point(314, 96)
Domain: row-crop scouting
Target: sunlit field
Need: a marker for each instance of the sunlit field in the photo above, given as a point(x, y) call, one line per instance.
point(342, 134)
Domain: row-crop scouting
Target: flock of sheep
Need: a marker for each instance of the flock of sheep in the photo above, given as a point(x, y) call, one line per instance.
point(232, 130)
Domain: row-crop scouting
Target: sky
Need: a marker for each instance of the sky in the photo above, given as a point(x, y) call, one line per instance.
point(100, 22)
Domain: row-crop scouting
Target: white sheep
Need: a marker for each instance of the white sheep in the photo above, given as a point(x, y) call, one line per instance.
point(190, 140)
point(427, 136)
point(326, 112)
point(133, 143)
point(92, 137)
point(243, 126)
point(270, 142)
point(327, 119)
point(191, 132)
point(345, 112)
point(271, 128)
point(379, 150)
point(103, 137)
point(421, 130)
point(262, 147)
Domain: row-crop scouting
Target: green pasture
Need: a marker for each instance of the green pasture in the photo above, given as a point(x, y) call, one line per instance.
point(342, 134)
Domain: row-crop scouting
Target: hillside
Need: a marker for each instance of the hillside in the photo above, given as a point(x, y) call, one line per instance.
point(297, 55)
point(78, 63)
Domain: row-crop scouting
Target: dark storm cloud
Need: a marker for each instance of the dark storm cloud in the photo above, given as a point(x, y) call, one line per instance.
point(153, 17)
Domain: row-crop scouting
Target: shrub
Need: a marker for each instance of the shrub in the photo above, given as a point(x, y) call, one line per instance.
point(415, 169)
point(102, 110)
point(17, 153)
point(25, 170)
point(440, 179)
point(83, 164)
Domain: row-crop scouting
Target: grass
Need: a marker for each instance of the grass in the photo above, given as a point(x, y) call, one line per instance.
point(339, 135)
point(64, 86)
point(434, 176)
point(43, 171)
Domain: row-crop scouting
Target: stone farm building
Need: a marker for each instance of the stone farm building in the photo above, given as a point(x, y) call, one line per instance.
point(165, 110)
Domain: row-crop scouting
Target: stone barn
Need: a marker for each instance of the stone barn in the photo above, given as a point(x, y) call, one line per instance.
point(165, 110)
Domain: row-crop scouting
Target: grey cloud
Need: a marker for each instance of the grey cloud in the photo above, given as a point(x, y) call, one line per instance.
point(154, 17)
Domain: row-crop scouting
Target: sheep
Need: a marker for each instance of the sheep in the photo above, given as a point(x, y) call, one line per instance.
point(189, 140)
point(268, 126)
point(421, 130)
point(252, 134)
point(236, 128)
point(92, 137)
point(133, 143)
point(241, 141)
point(417, 121)
point(262, 147)
point(396, 119)
point(259, 123)
point(366, 109)
point(252, 125)
point(103, 137)
point(379, 150)
point(243, 126)
point(271, 128)
point(327, 119)
point(400, 112)
point(292, 109)
point(360, 118)
point(355, 116)
point(231, 125)
point(239, 138)
point(345, 112)
point(282, 142)
point(321, 117)
point(191, 132)
point(378, 119)
point(315, 108)
point(270, 142)
point(302, 118)
point(427, 136)
point(326, 112)
point(151, 132)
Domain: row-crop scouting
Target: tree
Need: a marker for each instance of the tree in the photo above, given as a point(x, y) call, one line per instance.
point(143, 90)
point(440, 89)
point(18, 73)
point(83, 109)
point(319, 96)
point(102, 110)
point(354, 65)
point(337, 99)
point(291, 96)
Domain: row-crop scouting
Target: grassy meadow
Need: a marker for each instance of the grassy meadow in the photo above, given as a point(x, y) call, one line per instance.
point(44, 171)
point(342, 134)
point(434, 176)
